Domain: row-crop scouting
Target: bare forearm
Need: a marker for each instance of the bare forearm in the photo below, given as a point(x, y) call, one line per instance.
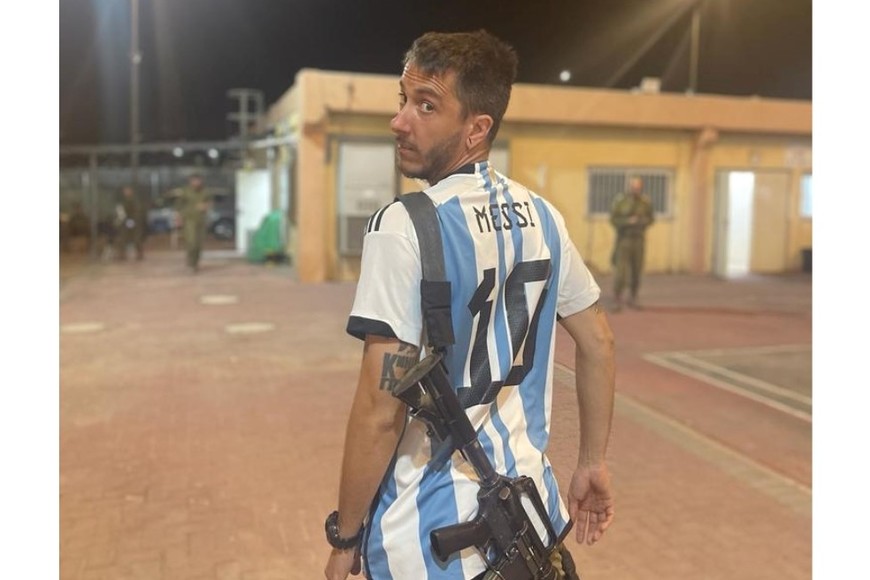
point(373, 430)
point(595, 375)
point(595, 378)
point(368, 449)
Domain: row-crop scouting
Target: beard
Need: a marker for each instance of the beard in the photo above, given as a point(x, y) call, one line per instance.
point(436, 162)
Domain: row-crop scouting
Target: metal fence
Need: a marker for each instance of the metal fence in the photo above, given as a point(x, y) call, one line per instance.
point(92, 176)
point(89, 195)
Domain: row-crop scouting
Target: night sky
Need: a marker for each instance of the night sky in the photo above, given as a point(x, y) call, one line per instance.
point(195, 50)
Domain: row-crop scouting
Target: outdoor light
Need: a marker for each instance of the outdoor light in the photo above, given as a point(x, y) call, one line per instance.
point(213, 153)
point(565, 76)
point(178, 151)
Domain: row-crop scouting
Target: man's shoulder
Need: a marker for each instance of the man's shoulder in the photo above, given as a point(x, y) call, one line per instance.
point(513, 184)
point(516, 187)
point(390, 218)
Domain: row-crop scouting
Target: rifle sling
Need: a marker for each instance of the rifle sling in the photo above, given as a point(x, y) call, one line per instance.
point(435, 289)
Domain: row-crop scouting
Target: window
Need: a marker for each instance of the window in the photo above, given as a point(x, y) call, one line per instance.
point(807, 195)
point(606, 184)
point(366, 182)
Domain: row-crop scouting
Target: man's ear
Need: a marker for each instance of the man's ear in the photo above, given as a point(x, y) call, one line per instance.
point(480, 128)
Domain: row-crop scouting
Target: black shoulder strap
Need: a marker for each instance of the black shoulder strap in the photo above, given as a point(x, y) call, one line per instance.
point(434, 287)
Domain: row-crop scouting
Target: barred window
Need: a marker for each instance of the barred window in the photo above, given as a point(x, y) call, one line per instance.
point(606, 184)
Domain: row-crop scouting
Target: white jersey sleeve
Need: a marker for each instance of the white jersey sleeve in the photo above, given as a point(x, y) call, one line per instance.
point(577, 287)
point(387, 301)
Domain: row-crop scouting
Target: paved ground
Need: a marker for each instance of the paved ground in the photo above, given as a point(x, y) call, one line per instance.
point(202, 420)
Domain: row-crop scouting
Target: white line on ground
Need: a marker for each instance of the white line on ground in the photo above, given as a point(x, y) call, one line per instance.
point(82, 327)
point(752, 350)
point(758, 383)
point(249, 327)
point(730, 388)
point(218, 299)
point(785, 489)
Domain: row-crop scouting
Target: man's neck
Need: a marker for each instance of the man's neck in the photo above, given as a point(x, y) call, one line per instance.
point(470, 157)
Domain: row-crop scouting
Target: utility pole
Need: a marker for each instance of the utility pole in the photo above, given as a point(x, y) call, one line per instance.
point(693, 56)
point(245, 116)
point(135, 59)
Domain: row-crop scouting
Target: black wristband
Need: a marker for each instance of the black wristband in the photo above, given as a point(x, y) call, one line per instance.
point(337, 541)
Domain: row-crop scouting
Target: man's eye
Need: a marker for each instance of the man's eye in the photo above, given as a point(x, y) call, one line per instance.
point(427, 107)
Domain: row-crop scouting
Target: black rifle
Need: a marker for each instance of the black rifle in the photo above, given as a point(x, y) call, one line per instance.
point(502, 531)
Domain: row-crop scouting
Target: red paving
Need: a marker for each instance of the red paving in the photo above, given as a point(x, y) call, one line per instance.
point(192, 453)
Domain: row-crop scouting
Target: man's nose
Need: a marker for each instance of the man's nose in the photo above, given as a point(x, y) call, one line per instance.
point(399, 123)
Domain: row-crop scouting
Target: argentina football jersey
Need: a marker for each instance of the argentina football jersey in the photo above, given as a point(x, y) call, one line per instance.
point(513, 271)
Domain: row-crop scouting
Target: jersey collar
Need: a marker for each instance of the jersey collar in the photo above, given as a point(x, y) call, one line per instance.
point(446, 187)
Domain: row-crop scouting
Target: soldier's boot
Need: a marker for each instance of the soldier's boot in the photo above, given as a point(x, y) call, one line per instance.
point(634, 292)
point(617, 304)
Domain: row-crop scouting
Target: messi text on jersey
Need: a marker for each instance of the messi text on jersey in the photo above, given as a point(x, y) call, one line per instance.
point(496, 217)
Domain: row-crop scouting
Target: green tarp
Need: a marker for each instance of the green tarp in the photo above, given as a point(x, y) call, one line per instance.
point(268, 242)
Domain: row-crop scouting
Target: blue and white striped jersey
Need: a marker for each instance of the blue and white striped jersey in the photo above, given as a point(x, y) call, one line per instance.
point(513, 269)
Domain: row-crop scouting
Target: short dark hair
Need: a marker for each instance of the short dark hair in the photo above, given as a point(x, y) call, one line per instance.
point(485, 69)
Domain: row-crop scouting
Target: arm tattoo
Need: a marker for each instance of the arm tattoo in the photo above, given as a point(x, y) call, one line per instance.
point(596, 307)
point(396, 365)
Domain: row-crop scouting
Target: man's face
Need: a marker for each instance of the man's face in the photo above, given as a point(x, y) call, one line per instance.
point(636, 185)
point(196, 182)
point(430, 127)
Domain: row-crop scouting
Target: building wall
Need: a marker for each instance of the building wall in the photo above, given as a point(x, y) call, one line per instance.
point(551, 149)
point(790, 157)
point(555, 163)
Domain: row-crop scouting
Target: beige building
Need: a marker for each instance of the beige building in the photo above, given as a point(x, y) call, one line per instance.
point(730, 177)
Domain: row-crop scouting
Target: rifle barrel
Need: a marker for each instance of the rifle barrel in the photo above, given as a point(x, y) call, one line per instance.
point(464, 436)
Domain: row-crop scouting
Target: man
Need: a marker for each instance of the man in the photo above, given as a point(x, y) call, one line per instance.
point(74, 224)
point(631, 215)
point(513, 269)
point(131, 223)
point(193, 203)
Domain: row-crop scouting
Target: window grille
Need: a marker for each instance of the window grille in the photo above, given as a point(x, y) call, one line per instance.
point(606, 184)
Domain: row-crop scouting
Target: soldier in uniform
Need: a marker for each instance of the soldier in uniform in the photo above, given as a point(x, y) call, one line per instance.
point(193, 203)
point(631, 215)
point(131, 223)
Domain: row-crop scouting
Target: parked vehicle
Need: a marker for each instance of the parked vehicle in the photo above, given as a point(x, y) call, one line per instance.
point(221, 219)
point(161, 219)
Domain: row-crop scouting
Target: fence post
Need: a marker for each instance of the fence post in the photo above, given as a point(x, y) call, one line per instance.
point(95, 201)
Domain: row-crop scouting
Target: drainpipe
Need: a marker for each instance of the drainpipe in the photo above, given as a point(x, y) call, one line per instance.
point(700, 188)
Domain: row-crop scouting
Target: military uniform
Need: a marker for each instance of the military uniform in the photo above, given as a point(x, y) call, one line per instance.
point(193, 207)
point(131, 226)
point(628, 251)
